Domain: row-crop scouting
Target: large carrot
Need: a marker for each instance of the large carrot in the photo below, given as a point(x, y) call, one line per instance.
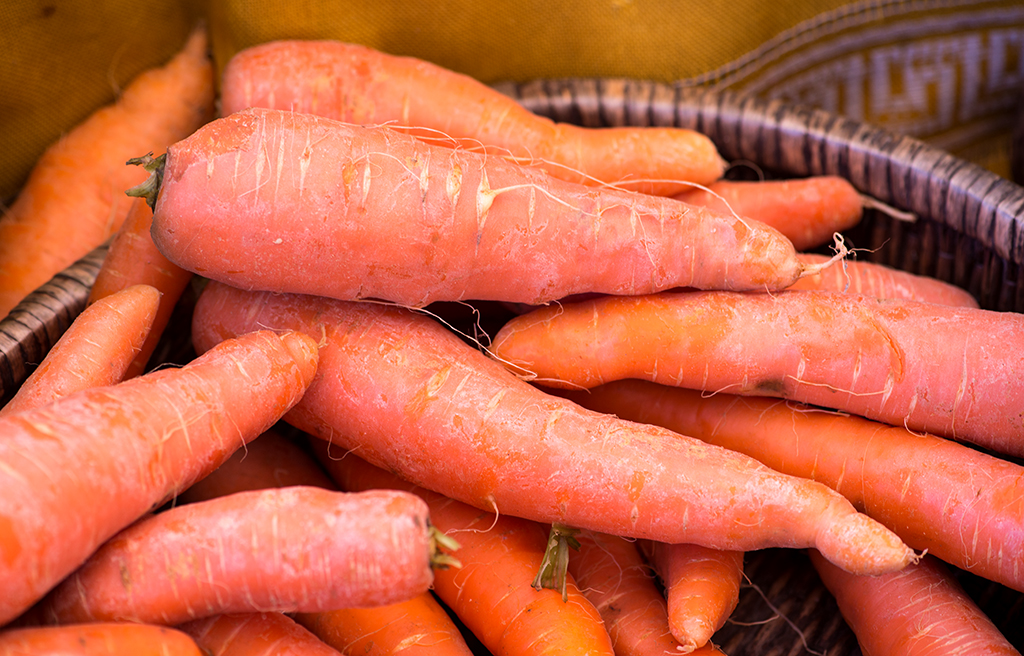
point(807, 210)
point(881, 281)
point(77, 471)
point(614, 576)
point(74, 197)
point(702, 587)
point(356, 84)
point(96, 349)
point(289, 202)
point(255, 634)
point(948, 499)
point(918, 611)
point(292, 549)
point(133, 259)
point(98, 639)
point(400, 389)
point(952, 371)
point(492, 591)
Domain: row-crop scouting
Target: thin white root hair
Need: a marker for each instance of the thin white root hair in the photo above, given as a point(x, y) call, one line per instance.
point(780, 614)
point(872, 203)
point(842, 251)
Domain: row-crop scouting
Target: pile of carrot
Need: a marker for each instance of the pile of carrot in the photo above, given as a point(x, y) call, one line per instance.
point(657, 378)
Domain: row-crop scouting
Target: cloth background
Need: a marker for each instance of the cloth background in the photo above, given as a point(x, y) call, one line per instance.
point(947, 71)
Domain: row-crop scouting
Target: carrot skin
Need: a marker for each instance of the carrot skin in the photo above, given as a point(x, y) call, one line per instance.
point(398, 387)
point(881, 281)
point(133, 259)
point(294, 549)
point(904, 363)
point(143, 439)
point(404, 221)
point(702, 586)
point(356, 84)
point(74, 197)
point(96, 350)
point(98, 639)
point(807, 210)
point(917, 611)
point(615, 577)
point(955, 502)
point(491, 589)
point(255, 634)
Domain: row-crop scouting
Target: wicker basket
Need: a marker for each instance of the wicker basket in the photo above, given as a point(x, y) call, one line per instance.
point(968, 231)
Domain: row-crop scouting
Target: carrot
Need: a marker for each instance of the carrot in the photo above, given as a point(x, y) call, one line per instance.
point(97, 639)
point(134, 259)
point(881, 281)
point(614, 576)
point(955, 502)
point(294, 549)
point(411, 625)
point(807, 210)
point(491, 591)
point(77, 471)
point(255, 634)
point(356, 84)
point(399, 389)
point(269, 461)
point(94, 351)
point(702, 586)
point(74, 197)
point(399, 220)
point(919, 610)
point(932, 368)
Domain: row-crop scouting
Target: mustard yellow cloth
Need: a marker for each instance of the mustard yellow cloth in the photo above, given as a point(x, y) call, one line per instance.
point(949, 71)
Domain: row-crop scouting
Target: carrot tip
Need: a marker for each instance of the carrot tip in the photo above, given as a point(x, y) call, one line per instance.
point(438, 558)
point(150, 188)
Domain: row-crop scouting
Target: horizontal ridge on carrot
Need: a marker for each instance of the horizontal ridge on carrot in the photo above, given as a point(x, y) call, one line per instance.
point(286, 202)
point(952, 371)
point(400, 388)
point(356, 84)
point(76, 471)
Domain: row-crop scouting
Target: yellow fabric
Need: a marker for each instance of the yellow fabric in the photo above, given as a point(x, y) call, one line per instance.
point(949, 71)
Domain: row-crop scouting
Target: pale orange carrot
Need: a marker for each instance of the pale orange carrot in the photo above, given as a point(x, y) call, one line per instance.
point(96, 349)
point(76, 471)
point(356, 84)
point(613, 574)
point(74, 198)
point(98, 639)
point(255, 634)
point(400, 388)
point(807, 210)
point(399, 220)
point(291, 549)
point(702, 587)
point(919, 611)
point(133, 259)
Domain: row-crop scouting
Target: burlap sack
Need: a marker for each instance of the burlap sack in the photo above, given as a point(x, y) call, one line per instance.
point(948, 71)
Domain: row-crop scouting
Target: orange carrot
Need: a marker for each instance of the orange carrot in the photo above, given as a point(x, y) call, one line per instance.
point(399, 388)
point(959, 504)
point(491, 590)
point(255, 634)
point(94, 351)
point(702, 586)
point(98, 639)
point(400, 220)
point(881, 281)
point(78, 470)
point(917, 611)
point(74, 197)
point(807, 210)
point(356, 84)
point(614, 576)
point(134, 259)
point(947, 370)
point(287, 549)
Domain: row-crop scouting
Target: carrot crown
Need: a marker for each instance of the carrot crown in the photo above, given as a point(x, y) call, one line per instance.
point(150, 188)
